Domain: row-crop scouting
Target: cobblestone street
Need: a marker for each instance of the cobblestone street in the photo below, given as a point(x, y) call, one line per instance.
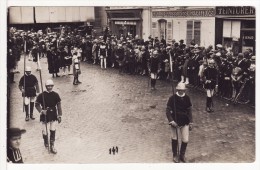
point(109, 109)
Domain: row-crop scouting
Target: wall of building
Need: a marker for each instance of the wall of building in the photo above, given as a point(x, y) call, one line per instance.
point(26, 15)
point(146, 26)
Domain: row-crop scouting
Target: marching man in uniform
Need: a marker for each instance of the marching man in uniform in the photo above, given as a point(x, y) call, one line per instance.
point(48, 103)
point(28, 85)
point(179, 115)
point(210, 83)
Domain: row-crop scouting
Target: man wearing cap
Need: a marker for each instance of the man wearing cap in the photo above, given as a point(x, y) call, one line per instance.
point(48, 103)
point(28, 85)
point(13, 145)
point(179, 115)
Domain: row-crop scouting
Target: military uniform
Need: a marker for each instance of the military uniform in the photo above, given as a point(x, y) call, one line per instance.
point(28, 84)
point(210, 81)
point(179, 115)
point(48, 103)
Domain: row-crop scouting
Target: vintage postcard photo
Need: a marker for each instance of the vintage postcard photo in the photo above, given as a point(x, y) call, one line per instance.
point(131, 84)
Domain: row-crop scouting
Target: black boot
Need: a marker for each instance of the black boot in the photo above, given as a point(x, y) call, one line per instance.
point(26, 108)
point(211, 104)
point(207, 105)
point(182, 152)
point(45, 139)
point(52, 140)
point(78, 81)
point(152, 84)
point(31, 110)
point(174, 151)
point(75, 81)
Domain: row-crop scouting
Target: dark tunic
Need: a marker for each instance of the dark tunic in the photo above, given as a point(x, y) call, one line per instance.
point(14, 155)
point(51, 100)
point(210, 74)
point(53, 62)
point(183, 109)
point(154, 64)
point(30, 83)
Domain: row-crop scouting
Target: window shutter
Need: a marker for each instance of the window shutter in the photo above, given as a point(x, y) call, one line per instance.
point(154, 29)
point(189, 35)
point(197, 25)
point(169, 31)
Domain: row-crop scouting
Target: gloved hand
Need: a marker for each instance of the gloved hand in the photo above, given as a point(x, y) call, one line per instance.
point(44, 112)
point(59, 119)
point(174, 124)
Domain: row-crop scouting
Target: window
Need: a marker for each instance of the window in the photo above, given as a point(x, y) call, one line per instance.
point(193, 32)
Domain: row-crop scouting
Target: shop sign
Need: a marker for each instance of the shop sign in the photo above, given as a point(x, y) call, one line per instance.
point(248, 37)
point(184, 13)
point(241, 10)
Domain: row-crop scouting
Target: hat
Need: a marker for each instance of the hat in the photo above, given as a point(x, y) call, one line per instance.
point(252, 58)
point(211, 61)
point(49, 83)
point(28, 68)
point(15, 132)
point(181, 41)
point(218, 54)
point(181, 86)
point(219, 45)
point(240, 55)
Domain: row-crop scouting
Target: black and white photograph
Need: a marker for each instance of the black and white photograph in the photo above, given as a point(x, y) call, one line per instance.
point(131, 84)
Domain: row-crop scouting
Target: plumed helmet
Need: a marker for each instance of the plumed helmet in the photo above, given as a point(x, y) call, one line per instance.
point(28, 68)
point(181, 86)
point(49, 83)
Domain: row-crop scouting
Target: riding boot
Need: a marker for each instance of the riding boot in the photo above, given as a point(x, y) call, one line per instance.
point(75, 81)
point(207, 105)
point(211, 104)
point(31, 110)
point(174, 150)
point(26, 108)
point(182, 152)
point(78, 82)
point(52, 140)
point(45, 139)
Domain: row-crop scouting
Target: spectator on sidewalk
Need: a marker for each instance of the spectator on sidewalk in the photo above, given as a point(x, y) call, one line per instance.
point(13, 145)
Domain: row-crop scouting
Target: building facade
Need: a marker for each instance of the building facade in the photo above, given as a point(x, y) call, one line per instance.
point(189, 24)
point(235, 28)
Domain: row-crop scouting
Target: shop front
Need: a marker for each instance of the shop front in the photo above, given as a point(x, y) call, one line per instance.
point(235, 28)
point(125, 21)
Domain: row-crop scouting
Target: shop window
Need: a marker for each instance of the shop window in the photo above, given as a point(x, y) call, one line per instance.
point(193, 32)
point(231, 29)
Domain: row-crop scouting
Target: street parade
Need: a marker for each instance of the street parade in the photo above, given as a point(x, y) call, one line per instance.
point(86, 95)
